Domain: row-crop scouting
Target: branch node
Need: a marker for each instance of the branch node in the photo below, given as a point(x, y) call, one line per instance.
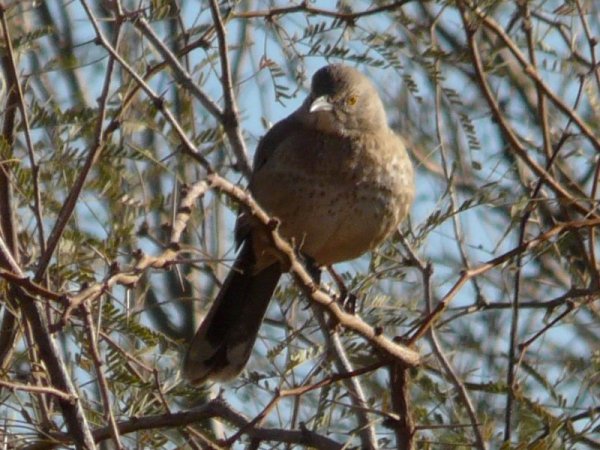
point(273, 224)
point(114, 268)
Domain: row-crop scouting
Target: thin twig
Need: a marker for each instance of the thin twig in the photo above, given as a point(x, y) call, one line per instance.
point(592, 42)
point(299, 391)
point(103, 387)
point(96, 149)
point(231, 121)
point(306, 8)
point(476, 271)
point(35, 169)
point(353, 385)
point(449, 177)
point(159, 103)
point(509, 133)
point(182, 76)
point(531, 71)
point(48, 390)
point(426, 273)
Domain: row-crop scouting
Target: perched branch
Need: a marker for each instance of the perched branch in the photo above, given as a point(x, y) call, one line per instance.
point(401, 354)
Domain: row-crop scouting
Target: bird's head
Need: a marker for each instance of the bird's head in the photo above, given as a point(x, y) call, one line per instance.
point(343, 101)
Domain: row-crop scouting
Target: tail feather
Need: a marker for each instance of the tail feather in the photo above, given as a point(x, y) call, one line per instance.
point(224, 341)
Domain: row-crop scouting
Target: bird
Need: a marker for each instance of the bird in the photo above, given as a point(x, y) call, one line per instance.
point(338, 180)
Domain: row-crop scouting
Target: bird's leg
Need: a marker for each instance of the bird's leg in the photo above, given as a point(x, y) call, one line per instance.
point(346, 298)
point(312, 268)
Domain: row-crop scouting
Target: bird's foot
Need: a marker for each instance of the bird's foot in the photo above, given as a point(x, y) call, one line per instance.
point(348, 302)
point(345, 298)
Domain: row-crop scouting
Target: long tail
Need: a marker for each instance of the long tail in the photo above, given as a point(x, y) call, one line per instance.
point(224, 341)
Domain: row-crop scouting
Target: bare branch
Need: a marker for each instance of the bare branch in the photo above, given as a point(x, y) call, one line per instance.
point(69, 205)
point(102, 383)
point(231, 121)
point(47, 390)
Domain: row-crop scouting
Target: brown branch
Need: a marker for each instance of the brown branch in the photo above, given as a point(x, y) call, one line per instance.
point(214, 409)
point(47, 390)
point(532, 73)
point(127, 278)
point(131, 276)
point(60, 378)
point(476, 271)
point(103, 387)
point(402, 354)
point(231, 121)
point(30, 286)
point(20, 102)
point(509, 133)
point(306, 8)
point(94, 154)
point(181, 75)
point(404, 425)
point(188, 146)
point(9, 326)
point(426, 273)
point(7, 210)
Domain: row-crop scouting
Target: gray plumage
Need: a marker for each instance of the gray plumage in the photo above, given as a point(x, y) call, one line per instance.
point(338, 179)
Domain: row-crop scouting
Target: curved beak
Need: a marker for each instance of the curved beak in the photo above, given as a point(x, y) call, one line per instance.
point(320, 104)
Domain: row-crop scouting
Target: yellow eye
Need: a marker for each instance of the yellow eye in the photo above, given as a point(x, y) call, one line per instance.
point(351, 101)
